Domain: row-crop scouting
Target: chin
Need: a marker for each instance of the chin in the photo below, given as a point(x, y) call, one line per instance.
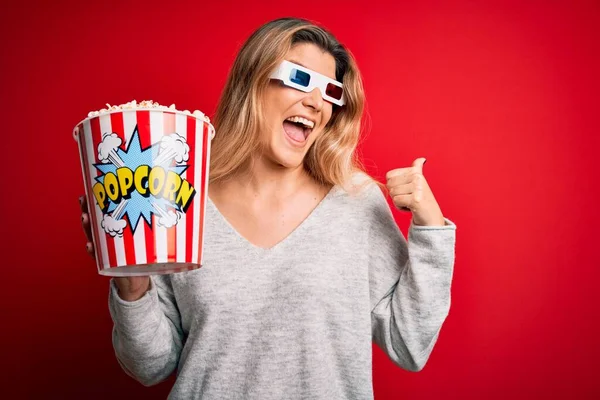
point(286, 153)
point(286, 158)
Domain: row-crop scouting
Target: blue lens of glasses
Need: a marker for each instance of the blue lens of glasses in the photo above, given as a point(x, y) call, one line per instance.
point(300, 77)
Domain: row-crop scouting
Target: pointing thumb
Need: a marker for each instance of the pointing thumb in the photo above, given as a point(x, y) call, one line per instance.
point(418, 164)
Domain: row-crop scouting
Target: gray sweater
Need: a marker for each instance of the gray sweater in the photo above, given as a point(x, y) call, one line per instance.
point(295, 321)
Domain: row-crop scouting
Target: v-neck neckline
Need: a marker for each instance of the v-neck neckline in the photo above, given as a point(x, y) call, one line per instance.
point(289, 237)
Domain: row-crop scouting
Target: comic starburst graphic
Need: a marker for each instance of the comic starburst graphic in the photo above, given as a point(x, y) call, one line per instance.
point(169, 154)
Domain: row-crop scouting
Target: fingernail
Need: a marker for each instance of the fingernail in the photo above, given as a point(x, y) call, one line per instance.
point(424, 161)
point(80, 200)
point(82, 218)
point(88, 247)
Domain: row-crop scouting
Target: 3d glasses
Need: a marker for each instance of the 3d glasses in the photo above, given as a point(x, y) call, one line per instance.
point(306, 80)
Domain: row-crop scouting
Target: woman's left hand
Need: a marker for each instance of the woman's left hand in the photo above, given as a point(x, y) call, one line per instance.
point(410, 192)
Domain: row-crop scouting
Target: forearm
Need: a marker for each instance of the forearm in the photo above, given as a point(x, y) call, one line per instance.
point(410, 317)
point(145, 341)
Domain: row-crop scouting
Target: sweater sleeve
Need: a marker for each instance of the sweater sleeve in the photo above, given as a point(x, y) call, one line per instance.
point(147, 335)
point(409, 284)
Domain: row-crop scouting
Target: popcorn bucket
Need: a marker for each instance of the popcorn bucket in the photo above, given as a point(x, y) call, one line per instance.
point(145, 173)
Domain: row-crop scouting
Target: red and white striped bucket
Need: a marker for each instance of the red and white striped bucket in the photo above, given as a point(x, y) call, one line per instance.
point(146, 181)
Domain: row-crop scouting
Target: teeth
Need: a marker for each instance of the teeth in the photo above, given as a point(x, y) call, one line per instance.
point(303, 121)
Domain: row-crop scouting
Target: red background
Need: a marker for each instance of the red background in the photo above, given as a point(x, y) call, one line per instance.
point(502, 98)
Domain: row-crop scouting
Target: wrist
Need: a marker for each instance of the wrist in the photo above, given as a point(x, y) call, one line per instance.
point(127, 293)
point(433, 221)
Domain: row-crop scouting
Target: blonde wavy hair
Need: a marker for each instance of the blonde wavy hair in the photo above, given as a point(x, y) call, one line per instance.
point(332, 158)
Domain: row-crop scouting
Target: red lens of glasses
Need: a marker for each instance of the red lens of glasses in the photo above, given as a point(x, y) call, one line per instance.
point(334, 91)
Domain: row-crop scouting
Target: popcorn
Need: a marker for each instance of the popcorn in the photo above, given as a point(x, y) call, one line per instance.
point(149, 104)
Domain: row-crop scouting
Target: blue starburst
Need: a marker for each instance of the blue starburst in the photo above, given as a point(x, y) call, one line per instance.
point(137, 205)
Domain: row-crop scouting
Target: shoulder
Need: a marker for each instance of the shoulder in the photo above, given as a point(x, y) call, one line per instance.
point(362, 187)
point(363, 194)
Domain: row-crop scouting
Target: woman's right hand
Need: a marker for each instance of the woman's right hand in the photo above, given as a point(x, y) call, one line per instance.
point(130, 288)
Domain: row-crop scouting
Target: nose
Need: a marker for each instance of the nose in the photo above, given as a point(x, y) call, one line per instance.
point(314, 100)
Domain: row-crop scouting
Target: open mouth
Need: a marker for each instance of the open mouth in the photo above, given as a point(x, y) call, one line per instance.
point(297, 128)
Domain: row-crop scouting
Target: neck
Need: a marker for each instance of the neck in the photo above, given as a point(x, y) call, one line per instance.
point(262, 178)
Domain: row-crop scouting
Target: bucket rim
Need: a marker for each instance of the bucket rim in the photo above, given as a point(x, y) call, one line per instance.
point(166, 109)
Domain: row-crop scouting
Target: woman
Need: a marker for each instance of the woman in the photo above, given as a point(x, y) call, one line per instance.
point(304, 265)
